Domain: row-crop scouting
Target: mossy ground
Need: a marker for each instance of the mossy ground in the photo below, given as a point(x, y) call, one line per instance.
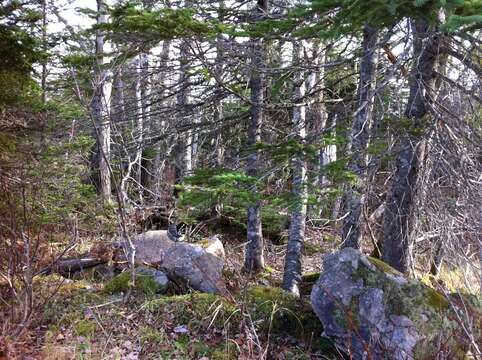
point(91, 320)
point(87, 322)
point(123, 282)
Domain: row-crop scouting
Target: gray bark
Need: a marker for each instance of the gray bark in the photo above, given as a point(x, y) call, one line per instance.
point(320, 113)
point(360, 133)
point(183, 148)
point(117, 102)
point(400, 199)
point(480, 265)
point(254, 259)
point(102, 126)
point(292, 266)
point(160, 123)
point(218, 106)
point(437, 257)
point(144, 92)
point(135, 115)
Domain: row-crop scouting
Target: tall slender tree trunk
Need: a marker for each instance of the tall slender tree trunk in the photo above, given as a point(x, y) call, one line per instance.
point(254, 258)
point(43, 79)
point(144, 93)
point(401, 196)
point(117, 103)
point(160, 123)
point(183, 149)
point(218, 106)
point(117, 109)
point(44, 48)
point(319, 108)
point(102, 131)
point(360, 134)
point(292, 266)
point(135, 112)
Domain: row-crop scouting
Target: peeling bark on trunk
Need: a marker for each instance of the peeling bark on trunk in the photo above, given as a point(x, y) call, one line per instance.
point(401, 196)
point(101, 154)
point(292, 266)
point(360, 133)
point(254, 259)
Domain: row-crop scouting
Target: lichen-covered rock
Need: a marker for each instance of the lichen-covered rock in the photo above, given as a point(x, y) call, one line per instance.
point(368, 307)
point(195, 265)
point(151, 247)
point(213, 245)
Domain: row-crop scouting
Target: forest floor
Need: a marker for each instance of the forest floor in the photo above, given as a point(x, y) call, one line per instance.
point(78, 320)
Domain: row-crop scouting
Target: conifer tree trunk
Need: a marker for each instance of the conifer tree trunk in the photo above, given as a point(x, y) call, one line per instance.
point(319, 108)
point(44, 48)
point(183, 148)
point(401, 196)
point(360, 133)
point(117, 103)
point(144, 92)
point(292, 266)
point(160, 122)
point(102, 133)
point(218, 106)
point(254, 258)
point(117, 110)
point(135, 115)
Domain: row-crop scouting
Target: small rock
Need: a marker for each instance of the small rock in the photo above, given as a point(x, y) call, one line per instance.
point(181, 329)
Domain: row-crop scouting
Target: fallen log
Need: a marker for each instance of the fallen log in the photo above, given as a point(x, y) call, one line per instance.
point(68, 267)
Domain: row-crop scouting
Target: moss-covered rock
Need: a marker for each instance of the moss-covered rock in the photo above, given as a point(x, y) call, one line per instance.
point(364, 303)
point(147, 281)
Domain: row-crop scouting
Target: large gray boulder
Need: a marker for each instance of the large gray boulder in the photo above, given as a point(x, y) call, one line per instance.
point(374, 312)
point(192, 266)
point(195, 265)
point(151, 247)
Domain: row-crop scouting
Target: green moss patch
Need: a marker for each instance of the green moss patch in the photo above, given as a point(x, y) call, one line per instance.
point(281, 312)
point(196, 309)
point(383, 266)
point(310, 277)
point(86, 328)
point(311, 249)
point(271, 309)
point(121, 283)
